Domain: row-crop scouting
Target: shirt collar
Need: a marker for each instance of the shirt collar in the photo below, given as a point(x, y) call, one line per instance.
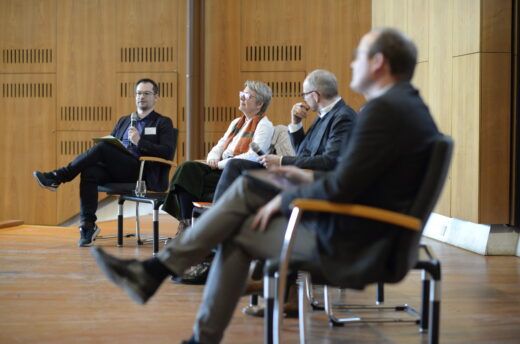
point(326, 109)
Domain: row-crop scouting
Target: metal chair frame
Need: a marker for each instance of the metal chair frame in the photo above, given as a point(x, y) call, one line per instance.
point(126, 192)
point(275, 272)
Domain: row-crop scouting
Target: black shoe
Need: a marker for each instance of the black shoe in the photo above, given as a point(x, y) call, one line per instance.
point(190, 341)
point(129, 275)
point(47, 180)
point(87, 235)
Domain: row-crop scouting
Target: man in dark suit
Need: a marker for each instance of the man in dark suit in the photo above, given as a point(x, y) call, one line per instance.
point(316, 149)
point(143, 133)
point(382, 166)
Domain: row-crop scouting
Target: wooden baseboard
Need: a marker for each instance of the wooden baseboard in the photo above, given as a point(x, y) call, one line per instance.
point(10, 223)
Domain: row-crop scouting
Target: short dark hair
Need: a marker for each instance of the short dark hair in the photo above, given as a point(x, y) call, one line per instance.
point(150, 81)
point(398, 49)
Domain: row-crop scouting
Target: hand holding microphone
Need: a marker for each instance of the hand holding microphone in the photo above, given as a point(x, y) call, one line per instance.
point(133, 134)
point(268, 160)
point(256, 148)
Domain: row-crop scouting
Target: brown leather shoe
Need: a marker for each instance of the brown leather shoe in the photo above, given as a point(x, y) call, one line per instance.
point(254, 287)
point(290, 309)
point(183, 226)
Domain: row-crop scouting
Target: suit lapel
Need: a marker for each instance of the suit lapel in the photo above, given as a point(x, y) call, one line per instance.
point(323, 125)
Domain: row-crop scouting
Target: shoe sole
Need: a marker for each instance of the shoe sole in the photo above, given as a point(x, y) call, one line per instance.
point(51, 188)
point(99, 256)
point(96, 232)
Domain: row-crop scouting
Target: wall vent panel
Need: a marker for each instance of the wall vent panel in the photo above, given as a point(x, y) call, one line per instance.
point(274, 53)
point(285, 89)
point(166, 89)
point(27, 90)
point(74, 147)
point(24, 56)
point(146, 54)
point(86, 113)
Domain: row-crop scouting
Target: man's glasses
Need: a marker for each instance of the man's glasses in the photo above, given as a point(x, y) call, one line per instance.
point(305, 94)
point(245, 95)
point(145, 93)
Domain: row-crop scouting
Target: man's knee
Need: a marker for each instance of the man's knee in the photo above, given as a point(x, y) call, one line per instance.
point(92, 174)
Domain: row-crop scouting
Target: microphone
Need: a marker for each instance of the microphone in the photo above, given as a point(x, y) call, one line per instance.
point(256, 148)
point(133, 119)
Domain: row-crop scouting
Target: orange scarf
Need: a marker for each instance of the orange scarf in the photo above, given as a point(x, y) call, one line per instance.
point(247, 136)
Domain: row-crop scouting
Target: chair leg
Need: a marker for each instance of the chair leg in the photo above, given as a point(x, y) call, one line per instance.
point(425, 306)
point(309, 292)
point(155, 230)
point(435, 304)
point(120, 211)
point(269, 290)
point(302, 307)
point(253, 300)
point(380, 293)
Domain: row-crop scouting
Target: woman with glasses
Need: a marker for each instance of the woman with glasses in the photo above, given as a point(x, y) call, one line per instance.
point(196, 180)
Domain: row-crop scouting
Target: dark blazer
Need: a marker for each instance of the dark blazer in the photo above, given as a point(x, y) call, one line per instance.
point(382, 166)
point(162, 144)
point(322, 151)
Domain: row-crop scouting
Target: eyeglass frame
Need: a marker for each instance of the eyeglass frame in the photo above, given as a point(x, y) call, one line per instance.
point(304, 94)
point(144, 93)
point(246, 95)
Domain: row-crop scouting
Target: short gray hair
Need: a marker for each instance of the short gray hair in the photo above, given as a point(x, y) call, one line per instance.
point(324, 82)
point(263, 93)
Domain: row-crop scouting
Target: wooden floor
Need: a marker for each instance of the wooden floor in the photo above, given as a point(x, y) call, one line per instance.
point(52, 292)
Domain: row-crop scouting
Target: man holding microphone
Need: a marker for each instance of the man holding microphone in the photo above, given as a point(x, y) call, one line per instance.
point(145, 132)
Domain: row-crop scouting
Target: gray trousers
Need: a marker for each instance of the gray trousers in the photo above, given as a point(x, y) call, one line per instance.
point(227, 226)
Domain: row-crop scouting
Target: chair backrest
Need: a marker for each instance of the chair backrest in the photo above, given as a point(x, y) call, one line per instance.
point(281, 143)
point(426, 199)
point(164, 170)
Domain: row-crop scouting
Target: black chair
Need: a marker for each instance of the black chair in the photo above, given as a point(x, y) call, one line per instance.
point(417, 256)
point(127, 192)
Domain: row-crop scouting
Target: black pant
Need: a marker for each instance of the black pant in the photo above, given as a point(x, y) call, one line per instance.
point(103, 163)
point(232, 171)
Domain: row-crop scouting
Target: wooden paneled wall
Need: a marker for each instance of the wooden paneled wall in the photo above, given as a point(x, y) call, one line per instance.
point(277, 42)
point(67, 72)
point(464, 74)
point(68, 67)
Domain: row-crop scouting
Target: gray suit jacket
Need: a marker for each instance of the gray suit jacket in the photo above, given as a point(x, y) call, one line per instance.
point(382, 166)
point(322, 152)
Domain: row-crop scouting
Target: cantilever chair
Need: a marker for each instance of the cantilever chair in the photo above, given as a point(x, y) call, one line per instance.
point(416, 256)
point(126, 192)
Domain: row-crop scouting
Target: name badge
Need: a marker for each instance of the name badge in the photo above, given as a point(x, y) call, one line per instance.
point(150, 130)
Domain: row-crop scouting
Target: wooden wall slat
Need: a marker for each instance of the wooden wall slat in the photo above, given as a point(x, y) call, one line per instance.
point(466, 134)
point(440, 79)
point(147, 35)
point(331, 46)
point(27, 144)
point(495, 138)
point(466, 27)
point(28, 36)
point(86, 80)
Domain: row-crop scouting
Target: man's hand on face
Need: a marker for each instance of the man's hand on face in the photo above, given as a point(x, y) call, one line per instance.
point(299, 111)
